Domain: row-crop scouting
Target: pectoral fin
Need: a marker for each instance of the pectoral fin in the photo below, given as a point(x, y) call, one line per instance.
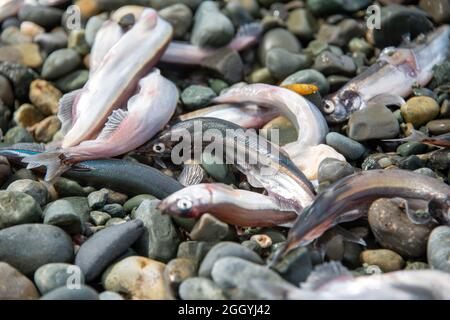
point(67, 110)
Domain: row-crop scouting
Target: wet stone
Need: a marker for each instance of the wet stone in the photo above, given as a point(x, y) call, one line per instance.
point(68, 188)
point(278, 38)
point(296, 266)
point(68, 213)
point(55, 275)
point(18, 208)
point(200, 289)
point(387, 260)
point(194, 250)
point(410, 148)
point(350, 149)
point(97, 199)
point(99, 218)
point(329, 63)
point(332, 170)
point(44, 16)
point(115, 210)
point(438, 127)
point(15, 286)
point(209, 228)
point(179, 16)
point(340, 34)
point(195, 96)
point(33, 188)
point(60, 63)
point(281, 63)
point(302, 23)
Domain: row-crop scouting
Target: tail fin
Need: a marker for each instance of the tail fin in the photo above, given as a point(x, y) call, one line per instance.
point(51, 160)
point(416, 135)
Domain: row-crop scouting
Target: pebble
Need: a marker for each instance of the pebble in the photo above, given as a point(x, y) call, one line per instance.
point(350, 149)
point(14, 285)
point(329, 63)
point(24, 53)
point(209, 228)
point(18, 208)
point(115, 210)
point(45, 97)
point(211, 27)
point(5, 170)
point(287, 133)
point(27, 115)
point(194, 250)
point(394, 230)
point(416, 265)
point(341, 34)
point(420, 110)
point(160, 238)
point(180, 17)
point(296, 266)
point(18, 135)
point(216, 169)
point(439, 10)
point(97, 199)
point(20, 77)
point(438, 127)
point(278, 38)
point(200, 289)
point(309, 76)
point(65, 293)
point(33, 188)
point(67, 213)
point(233, 275)
point(45, 130)
point(332, 170)
point(329, 7)
point(261, 75)
point(302, 23)
point(387, 260)
point(60, 63)
point(12, 35)
point(411, 148)
point(27, 247)
point(50, 42)
point(116, 197)
point(109, 295)
point(92, 26)
point(195, 97)
point(99, 218)
point(77, 42)
point(47, 17)
point(55, 275)
point(281, 63)
point(138, 278)
point(228, 250)
point(105, 246)
point(178, 270)
point(439, 249)
point(68, 188)
point(6, 92)
point(374, 122)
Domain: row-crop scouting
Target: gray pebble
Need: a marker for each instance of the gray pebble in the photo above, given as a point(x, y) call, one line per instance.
point(209, 228)
point(350, 149)
point(18, 208)
point(55, 275)
point(44, 16)
point(438, 251)
point(33, 188)
point(332, 170)
point(278, 38)
point(179, 16)
point(60, 63)
point(65, 293)
point(282, 63)
point(97, 199)
point(68, 213)
point(195, 96)
point(200, 289)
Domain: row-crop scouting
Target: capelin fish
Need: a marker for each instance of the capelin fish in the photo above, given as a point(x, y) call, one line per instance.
point(147, 113)
point(237, 207)
point(128, 177)
point(402, 67)
point(108, 35)
point(264, 164)
point(308, 151)
point(249, 116)
point(349, 199)
point(332, 281)
point(442, 141)
point(116, 78)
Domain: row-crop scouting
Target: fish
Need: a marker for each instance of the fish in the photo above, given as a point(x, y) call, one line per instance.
point(308, 150)
point(147, 113)
point(247, 116)
point(332, 281)
point(129, 177)
point(442, 141)
point(115, 80)
point(264, 164)
point(108, 35)
point(233, 206)
point(391, 78)
point(350, 198)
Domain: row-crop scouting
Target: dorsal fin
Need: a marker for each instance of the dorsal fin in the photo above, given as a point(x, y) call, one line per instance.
point(325, 273)
point(114, 121)
point(66, 112)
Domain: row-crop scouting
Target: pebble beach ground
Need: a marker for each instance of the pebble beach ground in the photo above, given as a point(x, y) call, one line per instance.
point(70, 241)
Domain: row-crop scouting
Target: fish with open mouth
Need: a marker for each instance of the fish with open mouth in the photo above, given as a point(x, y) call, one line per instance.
point(350, 198)
point(147, 113)
point(308, 151)
point(116, 79)
point(233, 206)
point(264, 164)
point(391, 78)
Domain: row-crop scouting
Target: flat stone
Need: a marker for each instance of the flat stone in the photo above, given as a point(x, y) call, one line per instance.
point(55, 275)
point(15, 286)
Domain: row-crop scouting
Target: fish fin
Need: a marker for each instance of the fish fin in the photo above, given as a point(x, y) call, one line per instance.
point(51, 160)
point(350, 237)
point(246, 36)
point(114, 121)
point(416, 217)
point(192, 174)
point(254, 182)
point(325, 273)
point(415, 135)
point(65, 110)
point(387, 99)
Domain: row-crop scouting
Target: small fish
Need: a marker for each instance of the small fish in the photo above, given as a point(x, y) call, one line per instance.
point(264, 164)
point(108, 35)
point(248, 116)
point(147, 113)
point(237, 207)
point(442, 141)
point(391, 78)
point(349, 199)
point(332, 281)
point(128, 177)
point(308, 151)
point(116, 78)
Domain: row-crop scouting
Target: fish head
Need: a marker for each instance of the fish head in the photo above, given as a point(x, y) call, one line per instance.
point(189, 202)
point(339, 107)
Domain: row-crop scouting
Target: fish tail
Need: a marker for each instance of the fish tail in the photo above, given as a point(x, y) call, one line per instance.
point(415, 135)
point(53, 161)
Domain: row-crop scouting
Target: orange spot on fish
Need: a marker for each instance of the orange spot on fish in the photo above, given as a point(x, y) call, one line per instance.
point(302, 89)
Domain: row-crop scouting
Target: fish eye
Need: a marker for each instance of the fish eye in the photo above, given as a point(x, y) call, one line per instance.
point(159, 148)
point(185, 205)
point(328, 107)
